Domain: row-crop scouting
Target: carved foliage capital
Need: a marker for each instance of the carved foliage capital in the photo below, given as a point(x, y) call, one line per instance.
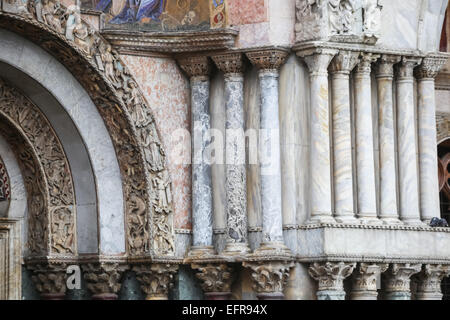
point(49, 278)
point(214, 277)
point(155, 279)
point(344, 62)
point(430, 278)
point(230, 63)
point(430, 67)
point(405, 69)
point(195, 66)
point(268, 59)
point(103, 277)
point(365, 277)
point(398, 277)
point(269, 277)
point(318, 60)
point(365, 64)
point(385, 65)
point(331, 275)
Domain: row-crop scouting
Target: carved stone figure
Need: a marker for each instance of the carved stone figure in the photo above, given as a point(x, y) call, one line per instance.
point(76, 30)
point(371, 16)
point(48, 12)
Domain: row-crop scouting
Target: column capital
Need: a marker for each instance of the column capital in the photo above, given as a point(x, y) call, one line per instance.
point(365, 64)
point(269, 278)
point(385, 65)
point(344, 62)
point(405, 69)
point(429, 281)
point(230, 63)
point(216, 279)
point(398, 278)
point(331, 275)
point(365, 280)
point(49, 280)
point(155, 279)
point(430, 67)
point(318, 60)
point(268, 59)
point(103, 279)
point(196, 67)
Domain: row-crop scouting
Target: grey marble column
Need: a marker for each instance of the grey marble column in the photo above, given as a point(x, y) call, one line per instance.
point(429, 184)
point(406, 131)
point(330, 277)
point(365, 280)
point(397, 281)
point(236, 182)
point(365, 160)
point(320, 156)
point(340, 69)
point(198, 69)
point(429, 282)
point(388, 173)
point(269, 62)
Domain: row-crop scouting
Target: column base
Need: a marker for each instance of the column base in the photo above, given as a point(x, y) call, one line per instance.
point(349, 219)
point(397, 296)
point(413, 222)
point(371, 220)
point(105, 296)
point(428, 296)
point(201, 251)
point(272, 248)
point(236, 249)
point(391, 221)
point(321, 219)
point(218, 295)
point(270, 296)
point(53, 296)
point(364, 295)
point(330, 295)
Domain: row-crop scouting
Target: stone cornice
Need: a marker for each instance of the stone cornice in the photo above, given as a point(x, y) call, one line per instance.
point(151, 43)
point(370, 259)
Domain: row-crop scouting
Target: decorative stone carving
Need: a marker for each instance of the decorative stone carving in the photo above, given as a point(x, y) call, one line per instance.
point(216, 280)
point(397, 281)
point(330, 277)
point(365, 281)
point(103, 279)
point(405, 69)
point(49, 280)
point(114, 92)
point(195, 66)
point(155, 279)
point(430, 67)
point(269, 59)
point(5, 188)
point(269, 278)
point(429, 282)
point(372, 18)
point(230, 63)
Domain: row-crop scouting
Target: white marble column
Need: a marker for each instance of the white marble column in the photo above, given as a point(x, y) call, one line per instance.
point(236, 182)
point(365, 280)
point(198, 69)
point(388, 173)
point(330, 277)
point(320, 156)
point(428, 162)
point(340, 69)
point(429, 282)
point(406, 131)
point(269, 62)
point(365, 160)
point(397, 281)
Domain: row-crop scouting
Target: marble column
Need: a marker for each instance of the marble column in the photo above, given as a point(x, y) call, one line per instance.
point(330, 277)
point(365, 159)
point(155, 279)
point(429, 282)
point(365, 281)
point(397, 281)
point(198, 69)
point(49, 280)
point(236, 182)
point(216, 280)
point(269, 62)
point(388, 173)
point(103, 279)
point(428, 162)
point(340, 69)
point(320, 155)
point(406, 127)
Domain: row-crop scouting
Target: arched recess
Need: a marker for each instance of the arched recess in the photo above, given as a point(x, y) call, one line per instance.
point(128, 118)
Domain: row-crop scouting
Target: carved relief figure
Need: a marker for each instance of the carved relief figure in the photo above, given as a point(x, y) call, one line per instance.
point(75, 30)
point(49, 11)
point(372, 16)
point(341, 16)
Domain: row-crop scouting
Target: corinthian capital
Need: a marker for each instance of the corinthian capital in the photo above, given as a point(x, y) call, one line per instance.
point(398, 277)
point(429, 282)
point(155, 279)
point(365, 64)
point(331, 275)
point(268, 59)
point(344, 62)
point(430, 67)
point(405, 69)
point(49, 280)
point(103, 279)
point(230, 63)
point(216, 279)
point(365, 280)
point(195, 66)
point(385, 66)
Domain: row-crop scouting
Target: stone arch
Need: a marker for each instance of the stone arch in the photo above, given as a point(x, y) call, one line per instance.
point(128, 118)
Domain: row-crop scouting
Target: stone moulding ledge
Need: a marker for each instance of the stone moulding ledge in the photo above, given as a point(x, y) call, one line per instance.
point(370, 259)
point(372, 227)
point(149, 43)
point(122, 260)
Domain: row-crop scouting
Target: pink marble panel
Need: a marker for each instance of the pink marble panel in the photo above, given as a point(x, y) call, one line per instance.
point(247, 12)
point(254, 35)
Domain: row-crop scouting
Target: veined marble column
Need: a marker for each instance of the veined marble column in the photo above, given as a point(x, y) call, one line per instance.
point(407, 159)
point(365, 281)
point(320, 158)
point(388, 172)
point(428, 162)
point(429, 282)
point(340, 69)
point(198, 69)
point(397, 281)
point(236, 183)
point(365, 160)
point(269, 61)
point(330, 277)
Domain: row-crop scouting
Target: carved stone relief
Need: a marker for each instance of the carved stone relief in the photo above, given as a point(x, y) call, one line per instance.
point(5, 188)
point(156, 279)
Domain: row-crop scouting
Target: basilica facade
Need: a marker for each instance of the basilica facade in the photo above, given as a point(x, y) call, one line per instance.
point(224, 149)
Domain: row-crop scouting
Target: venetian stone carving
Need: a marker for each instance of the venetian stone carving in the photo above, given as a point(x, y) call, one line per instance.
point(365, 281)
point(429, 282)
point(268, 59)
point(5, 188)
point(103, 279)
point(215, 278)
point(330, 277)
point(371, 18)
point(155, 279)
point(397, 281)
point(430, 67)
point(195, 66)
point(49, 280)
point(270, 277)
point(114, 92)
point(52, 159)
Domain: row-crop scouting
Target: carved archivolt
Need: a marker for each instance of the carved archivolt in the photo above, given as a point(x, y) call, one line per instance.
point(5, 188)
point(60, 205)
point(146, 183)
